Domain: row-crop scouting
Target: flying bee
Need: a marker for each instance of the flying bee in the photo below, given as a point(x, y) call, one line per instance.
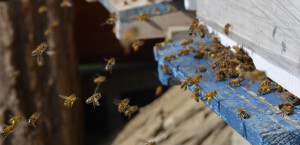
point(47, 32)
point(280, 89)
point(55, 23)
point(110, 64)
point(128, 37)
point(193, 26)
point(235, 82)
point(243, 114)
point(202, 30)
point(195, 81)
point(128, 112)
point(209, 96)
point(196, 94)
point(169, 57)
point(99, 79)
point(42, 9)
point(94, 99)
point(201, 68)
point(122, 104)
point(111, 20)
point(33, 118)
point(286, 108)
point(158, 90)
point(215, 38)
point(186, 42)
point(293, 99)
point(41, 48)
point(69, 100)
point(66, 3)
point(183, 52)
point(136, 45)
point(7, 130)
point(15, 74)
point(185, 83)
point(143, 17)
point(165, 69)
point(226, 29)
point(15, 120)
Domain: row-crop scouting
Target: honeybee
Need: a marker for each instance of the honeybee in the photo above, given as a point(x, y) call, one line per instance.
point(94, 99)
point(131, 109)
point(200, 43)
point(143, 17)
point(158, 90)
point(183, 52)
point(201, 68)
point(293, 99)
point(185, 83)
point(215, 38)
point(165, 69)
point(41, 48)
point(265, 82)
point(286, 108)
point(7, 130)
point(226, 29)
point(243, 114)
point(169, 57)
point(193, 26)
point(15, 120)
point(55, 23)
point(199, 54)
point(122, 104)
point(202, 30)
point(69, 100)
point(128, 37)
point(42, 9)
point(66, 3)
point(195, 81)
point(15, 74)
point(280, 89)
point(232, 73)
point(191, 49)
point(186, 42)
point(151, 143)
point(235, 82)
point(264, 90)
point(159, 45)
point(33, 118)
point(111, 20)
point(255, 75)
point(99, 79)
point(209, 96)
point(136, 45)
point(47, 32)
point(220, 74)
point(196, 94)
point(110, 64)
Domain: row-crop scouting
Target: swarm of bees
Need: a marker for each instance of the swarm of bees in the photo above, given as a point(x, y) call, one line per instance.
point(124, 107)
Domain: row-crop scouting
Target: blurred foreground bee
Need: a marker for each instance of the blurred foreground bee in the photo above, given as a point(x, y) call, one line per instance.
point(136, 45)
point(111, 20)
point(243, 114)
point(235, 82)
point(226, 29)
point(169, 57)
point(94, 99)
point(99, 79)
point(14, 74)
point(7, 130)
point(38, 52)
point(280, 89)
point(15, 120)
point(131, 109)
point(110, 64)
point(186, 42)
point(33, 118)
point(193, 26)
point(69, 100)
point(66, 3)
point(151, 143)
point(128, 37)
point(165, 69)
point(209, 96)
point(42, 9)
point(286, 108)
point(196, 94)
point(183, 52)
point(202, 30)
point(158, 90)
point(201, 68)
point(47, 32)
point(143, 17)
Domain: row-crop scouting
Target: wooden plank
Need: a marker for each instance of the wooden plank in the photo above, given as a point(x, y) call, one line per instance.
point(265, 126)
point(269, 28)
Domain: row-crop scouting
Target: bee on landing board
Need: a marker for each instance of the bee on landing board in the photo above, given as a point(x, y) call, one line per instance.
point(286, 109)
point(165, 69)
point(69, 100)
point(94, 99)
point(209, 96)
point(169, 57)
point(110, 64)
point(196, 94)
point(243, 114)
point(193, 26)
point(33, 118)
point(235, 82)
point(185, 83)
point(7, 130)
point(201, 68)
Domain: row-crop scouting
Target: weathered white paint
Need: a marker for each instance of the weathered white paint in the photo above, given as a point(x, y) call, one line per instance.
point(270, 28)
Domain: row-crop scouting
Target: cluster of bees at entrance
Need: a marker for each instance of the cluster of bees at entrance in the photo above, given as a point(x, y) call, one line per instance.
point(226, 64)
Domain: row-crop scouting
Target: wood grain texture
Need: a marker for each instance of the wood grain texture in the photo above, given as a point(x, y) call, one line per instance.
point(266, 125)
point(270, 28)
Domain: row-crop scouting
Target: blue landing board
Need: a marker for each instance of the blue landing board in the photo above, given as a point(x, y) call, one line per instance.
point(266, 125)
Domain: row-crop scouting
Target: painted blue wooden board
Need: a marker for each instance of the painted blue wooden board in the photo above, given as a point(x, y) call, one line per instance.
point(266, 125)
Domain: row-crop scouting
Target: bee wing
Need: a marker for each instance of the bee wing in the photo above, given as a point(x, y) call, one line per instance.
point(116, 102)
point(96, 102)
point(64, 97)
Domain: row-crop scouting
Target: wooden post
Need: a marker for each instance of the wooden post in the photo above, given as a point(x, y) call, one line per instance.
point(37, 88)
